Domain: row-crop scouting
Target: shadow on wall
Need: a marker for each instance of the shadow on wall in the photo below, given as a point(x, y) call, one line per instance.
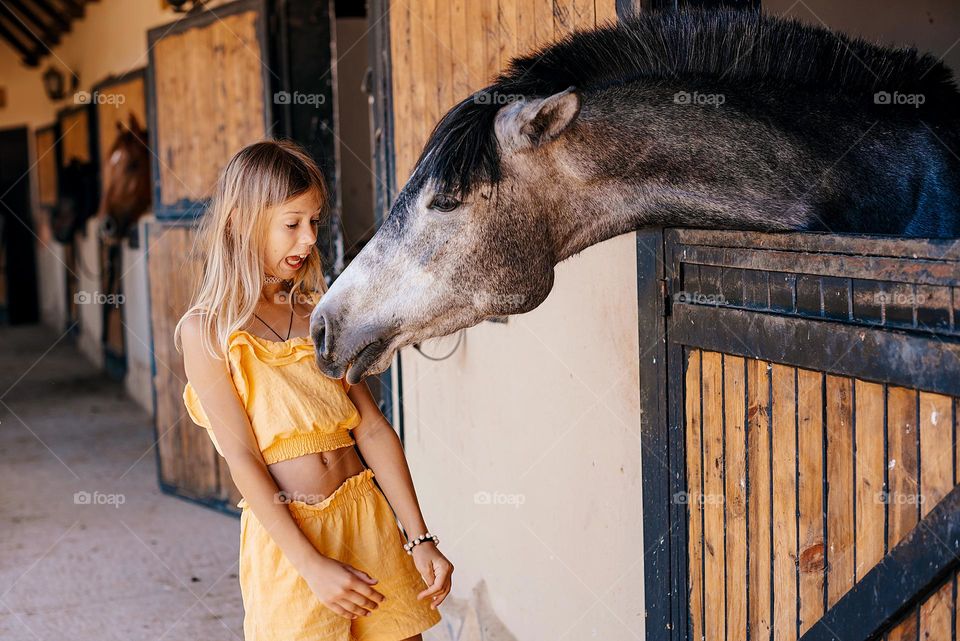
point(470, 619)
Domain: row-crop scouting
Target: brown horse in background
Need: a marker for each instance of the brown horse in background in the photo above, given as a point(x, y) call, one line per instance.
point(126, 182)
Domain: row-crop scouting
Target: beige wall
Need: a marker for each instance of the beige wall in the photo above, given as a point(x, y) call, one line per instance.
point(524, 445)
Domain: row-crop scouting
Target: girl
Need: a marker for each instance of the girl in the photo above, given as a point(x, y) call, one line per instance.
point(321, 555)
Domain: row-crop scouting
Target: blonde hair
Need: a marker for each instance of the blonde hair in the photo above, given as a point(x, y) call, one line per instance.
point(231, 235)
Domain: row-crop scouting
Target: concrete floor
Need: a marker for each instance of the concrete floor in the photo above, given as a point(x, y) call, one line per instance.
point(130, 563)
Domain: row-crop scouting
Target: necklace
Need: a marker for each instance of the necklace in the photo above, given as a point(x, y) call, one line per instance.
point(272, 330)
point(268, 278)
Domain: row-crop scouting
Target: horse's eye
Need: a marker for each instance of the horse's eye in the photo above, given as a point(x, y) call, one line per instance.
point(442, 202)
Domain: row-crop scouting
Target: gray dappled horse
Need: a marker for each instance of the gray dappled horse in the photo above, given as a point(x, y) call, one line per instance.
point(719, 120)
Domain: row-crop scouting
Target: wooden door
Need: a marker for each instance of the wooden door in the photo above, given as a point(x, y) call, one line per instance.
point(809, 436)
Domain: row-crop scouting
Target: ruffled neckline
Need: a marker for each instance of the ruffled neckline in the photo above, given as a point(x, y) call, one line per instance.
point(274, 352)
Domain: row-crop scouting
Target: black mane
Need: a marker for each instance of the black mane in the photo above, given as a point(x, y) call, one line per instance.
point(736, 48)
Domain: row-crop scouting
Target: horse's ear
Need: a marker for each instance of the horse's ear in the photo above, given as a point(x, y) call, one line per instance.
point(538, 121)
point(133, 123)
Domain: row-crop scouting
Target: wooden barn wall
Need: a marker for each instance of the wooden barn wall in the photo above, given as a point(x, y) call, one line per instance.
point(117, 103)
point(75, 136)
point(188, 463)
point(800, 482)
point(444, 50)
point(46, 166)
point(219, 67)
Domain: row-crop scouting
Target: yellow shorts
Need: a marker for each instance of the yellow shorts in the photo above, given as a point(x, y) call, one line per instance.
point(354, 525)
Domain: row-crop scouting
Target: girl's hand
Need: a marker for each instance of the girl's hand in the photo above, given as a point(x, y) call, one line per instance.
point(342, 588)
point(435, 569)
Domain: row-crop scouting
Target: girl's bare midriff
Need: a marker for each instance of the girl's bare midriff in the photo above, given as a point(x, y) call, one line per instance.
point(313, 477)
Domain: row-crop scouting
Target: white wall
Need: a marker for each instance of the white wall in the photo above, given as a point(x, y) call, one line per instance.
point(544, 411)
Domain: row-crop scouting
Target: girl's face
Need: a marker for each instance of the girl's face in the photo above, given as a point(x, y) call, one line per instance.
point(291, 234)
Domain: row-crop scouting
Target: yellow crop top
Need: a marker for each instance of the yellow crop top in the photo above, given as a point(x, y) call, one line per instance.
point(293, 408)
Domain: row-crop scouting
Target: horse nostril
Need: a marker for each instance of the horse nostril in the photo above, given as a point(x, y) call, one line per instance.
point(318, 334)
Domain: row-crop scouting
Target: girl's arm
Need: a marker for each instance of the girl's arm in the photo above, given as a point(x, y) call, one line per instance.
point(341, 588)
point(381, 448)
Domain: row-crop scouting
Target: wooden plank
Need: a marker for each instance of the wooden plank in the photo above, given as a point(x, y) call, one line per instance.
point(46, 162)
point(870, 437)
point(840, 511)
point(491, 40)
point(476, 38)
point(445, 58)
point(218, 65)
point(735, 476)
point(526, 27)
point(507, 25)
point(821, 242)
point(759, 584)
point(902, 464)
point(417, 87)
point(784, 427)
point(401, 80)
point(810, 482)
point(936, 480)
point(563, 18)
point(460, 70)
point(606, 11)
point(694, 452)
point(936, 613)
point(543, 14)
point(913, 569)
point(188, 462)
point(930, 363)
point(428, 77)
point(936, 457)
point(930, 272)
point(906, 630)
point(714, 553)
point(584, 15)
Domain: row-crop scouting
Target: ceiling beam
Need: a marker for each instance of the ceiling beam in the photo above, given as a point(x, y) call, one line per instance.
point(21, 28)
point(29, 56)
point(50, 33)
point(55, 14)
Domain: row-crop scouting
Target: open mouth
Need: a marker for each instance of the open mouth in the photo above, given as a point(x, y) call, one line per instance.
point(295, 261)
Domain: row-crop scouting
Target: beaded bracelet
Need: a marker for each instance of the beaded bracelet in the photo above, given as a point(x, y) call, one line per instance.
point(420, 539)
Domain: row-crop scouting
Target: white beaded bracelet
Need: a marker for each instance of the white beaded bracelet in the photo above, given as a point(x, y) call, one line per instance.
point(420, 539)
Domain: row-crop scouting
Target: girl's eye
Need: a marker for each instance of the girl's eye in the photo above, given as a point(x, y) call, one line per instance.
point(442, 202)
point(293, 226)
point(315, 221)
